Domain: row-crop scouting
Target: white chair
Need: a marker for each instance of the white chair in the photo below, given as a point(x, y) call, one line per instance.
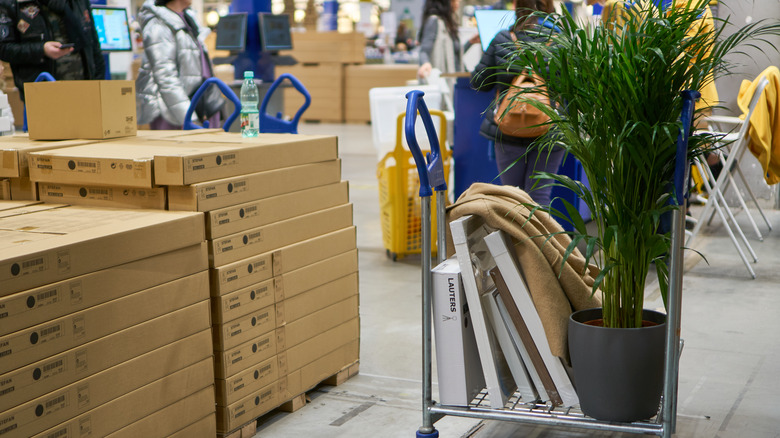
point(716, 202)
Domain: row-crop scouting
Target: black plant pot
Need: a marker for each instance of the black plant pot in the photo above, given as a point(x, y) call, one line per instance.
point(618, 373)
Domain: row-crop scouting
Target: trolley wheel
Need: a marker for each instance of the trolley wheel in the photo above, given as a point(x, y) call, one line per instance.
point(394, 256)
point(434, 434)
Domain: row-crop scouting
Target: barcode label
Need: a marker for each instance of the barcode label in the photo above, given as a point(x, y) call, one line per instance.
point(103, 192)
point(59, 433)
point(32, 263)
point(53, 293)
point(50, 330)
point(55, 401)
point(50, 366)
point(87, 164)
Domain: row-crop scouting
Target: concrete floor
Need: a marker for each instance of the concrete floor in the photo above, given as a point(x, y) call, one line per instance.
point(728, 381)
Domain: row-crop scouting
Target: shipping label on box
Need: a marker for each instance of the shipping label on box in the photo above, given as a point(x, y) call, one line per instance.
point(106, 109)
point(39, 414)
point(137, 404)
point(228, 363)
point(258, 240)
point(294, 308)
point(103, 196)
point(14, 151)
point(308, 277)
point(34, 306)
point(28, 345)
point(298, 331)
point(249, 408)
point(241, 384)
point(310, 251)
point(232, 333)
point(233, 219)
point(234, 276)
point(225, 192)
point(26, 383)
point(242, 302)
point(297, 356)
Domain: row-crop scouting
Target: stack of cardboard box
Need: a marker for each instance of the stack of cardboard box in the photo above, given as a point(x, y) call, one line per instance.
point(104, 322)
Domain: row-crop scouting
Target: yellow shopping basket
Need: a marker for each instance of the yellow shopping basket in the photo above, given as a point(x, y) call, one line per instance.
point(399, 200)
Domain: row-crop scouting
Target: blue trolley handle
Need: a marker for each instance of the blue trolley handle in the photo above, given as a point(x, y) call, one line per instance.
point(188, 125)
point(681, 155)
point(433, 174)
point(298, 86)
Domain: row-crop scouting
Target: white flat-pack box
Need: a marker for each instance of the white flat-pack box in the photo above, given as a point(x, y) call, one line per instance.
point(37, 305)
point(233, 219)
point(35, 343)
point(60, 243)
point(306, 303)
point(26, 383)
point(258, 240)
point(211, 195)
point(233, 333)
point(233, 276)
point(241, 384)
point(242, 302)
point(103, 195)
point(14, 151)
point(308, 277)
point(228, 363)
point(134, 406)
point(307, 252)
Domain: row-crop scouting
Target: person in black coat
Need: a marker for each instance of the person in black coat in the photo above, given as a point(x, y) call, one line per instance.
point(514, 156)
point(54, 36)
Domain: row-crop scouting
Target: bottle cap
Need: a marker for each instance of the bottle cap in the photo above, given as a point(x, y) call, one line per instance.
point(249, 74)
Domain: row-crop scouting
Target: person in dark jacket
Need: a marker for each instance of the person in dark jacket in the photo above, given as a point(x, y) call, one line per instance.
point(32, 35)
point(517, 161)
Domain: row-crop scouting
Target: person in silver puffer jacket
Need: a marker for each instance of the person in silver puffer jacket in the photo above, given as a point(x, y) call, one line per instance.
point(175, 63)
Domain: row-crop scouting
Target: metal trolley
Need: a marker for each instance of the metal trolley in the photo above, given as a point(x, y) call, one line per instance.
point(431, 174)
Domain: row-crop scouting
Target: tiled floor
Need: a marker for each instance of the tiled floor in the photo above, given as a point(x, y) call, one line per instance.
point(729, 385)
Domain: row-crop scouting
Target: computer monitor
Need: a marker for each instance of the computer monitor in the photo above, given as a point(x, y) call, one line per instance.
point(275, 32)
point(112, 29)
point(490, 22)
point(231, 32)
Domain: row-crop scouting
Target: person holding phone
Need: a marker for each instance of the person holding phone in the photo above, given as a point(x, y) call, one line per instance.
point(53, 36)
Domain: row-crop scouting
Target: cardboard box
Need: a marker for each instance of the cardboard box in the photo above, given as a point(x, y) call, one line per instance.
point(294, 308)
point(300, 280)
point(313, 373)
point(242, 302)
point(232, 333)
point(225, 192)
point(136, 405)
point(297, 356)
point(249, 408)
point(233, 219)
point(241, 384)
point(35, 306)
point(105, 109)
point(300, 330)
point(31, 344)
point(325, 84)
point(15, 206)
point(176, 419)
point(314, 47)
point(246, 272)
point(215, 156)
point(57, 406)
point(59, 243)
point(258, 240)
point(228, 363)
point(44, 376)
point(5, 189)
point(23, 189)
point(14, 152)
point(206, 426)
point(359, 79)
point(103, 196)
point(310, 251)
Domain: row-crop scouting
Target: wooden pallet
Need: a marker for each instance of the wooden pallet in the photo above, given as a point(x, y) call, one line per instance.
point(246, 431)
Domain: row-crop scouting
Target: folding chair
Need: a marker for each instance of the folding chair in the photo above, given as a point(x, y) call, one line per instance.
point(716, 188)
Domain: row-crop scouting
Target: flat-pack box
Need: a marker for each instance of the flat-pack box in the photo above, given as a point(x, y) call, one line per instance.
point(242, 302)
point(65, 110)
point(14, 150)
point(54, 372)
point(243, 383)
point(296, 332)
point(5, 189)
point(233, 333)
point(306, 303)
point(206, 157)
point(318, 47)
point(190, 417)
point(360, 79)
point(144, 401)
point(307, 252)
point(103, 196)
point(37, 305)
point(211, 195)
point(59, 243)
point(249, 408)
point(236, 218)
point(308, 277)
point(62, 404)
point(325, 84)
point(297, 356)
point(233, 276)
point(23, 189)
point(12, 207)
point(258, 240)
point(313, 373)
point(228, 363)
point(38, 342)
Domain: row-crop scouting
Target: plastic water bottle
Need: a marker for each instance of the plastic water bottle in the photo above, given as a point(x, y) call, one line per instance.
point(250, 115)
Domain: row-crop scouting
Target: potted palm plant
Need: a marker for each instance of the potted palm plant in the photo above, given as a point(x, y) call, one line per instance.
point(619, 90)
